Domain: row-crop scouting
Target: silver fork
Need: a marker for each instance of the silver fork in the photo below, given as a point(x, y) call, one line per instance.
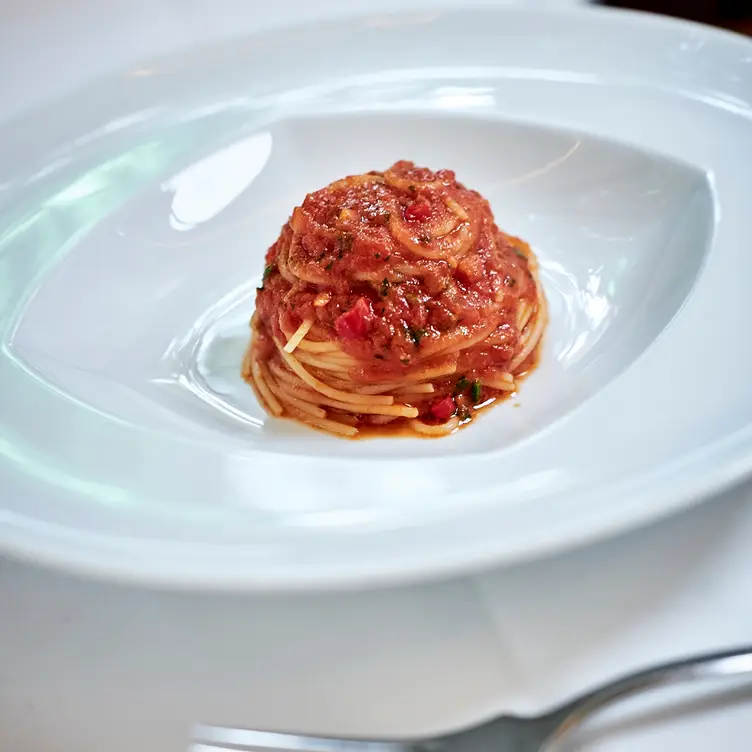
point(503, 734)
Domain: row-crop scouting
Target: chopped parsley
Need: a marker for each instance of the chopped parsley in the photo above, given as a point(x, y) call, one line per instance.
point(378, 255)
point(405, 360)
point(510, 281)
point(520, 254)
point(475, 392)
point(329, 265)
point(378, 356)
point(424, 239)
point(388, 257)
point(464, 414)
point(384, 287)
point(411, 188)
point(416, 334)
point(461, 385)
point(267, 272)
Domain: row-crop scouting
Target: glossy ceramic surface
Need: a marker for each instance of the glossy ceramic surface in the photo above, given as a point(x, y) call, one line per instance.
point(134, 220)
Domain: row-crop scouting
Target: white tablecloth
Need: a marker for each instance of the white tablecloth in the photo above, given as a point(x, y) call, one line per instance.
point(89, 667)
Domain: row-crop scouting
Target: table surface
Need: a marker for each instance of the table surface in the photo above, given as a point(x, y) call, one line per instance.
point(88, 667)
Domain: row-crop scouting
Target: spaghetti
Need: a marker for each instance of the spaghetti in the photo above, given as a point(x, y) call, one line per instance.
point(390, 302)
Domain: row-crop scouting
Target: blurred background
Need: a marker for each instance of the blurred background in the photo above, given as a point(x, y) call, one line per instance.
point(732, 14)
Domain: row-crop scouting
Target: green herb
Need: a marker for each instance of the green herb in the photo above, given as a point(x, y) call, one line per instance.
point(384, 287)
point(405, 360)
point(323, 253)
point(411, 188)
point(475, 392)
point(267, 271)
point(378, 356)
point(384, 218)
point(388, 257)
point(461, 385)
point(424, 239)
point(329, 265)
point(510, 281)
point(416, 334)
point(463, 414)
point(378, 255)
point(520, 254)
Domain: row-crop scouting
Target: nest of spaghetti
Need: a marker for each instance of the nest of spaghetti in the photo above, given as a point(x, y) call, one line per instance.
point(391, 302)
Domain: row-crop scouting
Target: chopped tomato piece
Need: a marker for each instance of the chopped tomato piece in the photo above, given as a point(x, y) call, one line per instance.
point(443, 409)
point(419, 211)
point(353, 324)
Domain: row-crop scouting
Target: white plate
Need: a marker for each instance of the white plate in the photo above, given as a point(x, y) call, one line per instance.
point(133, 221)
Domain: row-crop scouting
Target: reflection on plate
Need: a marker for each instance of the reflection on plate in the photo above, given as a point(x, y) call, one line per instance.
point(131, 445)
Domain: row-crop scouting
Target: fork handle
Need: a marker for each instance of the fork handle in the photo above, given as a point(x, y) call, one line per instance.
point(219, 738)
point(537, 733)
point(726, 663)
